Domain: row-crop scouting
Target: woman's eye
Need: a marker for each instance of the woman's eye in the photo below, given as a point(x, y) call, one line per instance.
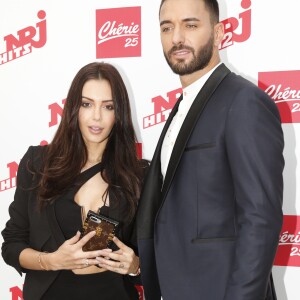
point(85, 104)
point(109, 107)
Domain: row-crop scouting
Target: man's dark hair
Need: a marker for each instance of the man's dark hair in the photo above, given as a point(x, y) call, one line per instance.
point(212, 7)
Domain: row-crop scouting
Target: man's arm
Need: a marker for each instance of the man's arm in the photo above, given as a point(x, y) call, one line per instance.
point(254, 142)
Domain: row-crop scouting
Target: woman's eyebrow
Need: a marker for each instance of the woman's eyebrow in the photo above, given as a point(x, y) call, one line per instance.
point(109, 100)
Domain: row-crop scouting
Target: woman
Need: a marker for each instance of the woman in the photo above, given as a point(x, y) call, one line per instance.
point(91, 164)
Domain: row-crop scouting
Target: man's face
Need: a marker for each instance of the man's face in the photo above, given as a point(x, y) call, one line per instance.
point(187, 35)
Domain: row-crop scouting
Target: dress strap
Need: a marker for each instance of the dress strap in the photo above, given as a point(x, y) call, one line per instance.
point(89, 173)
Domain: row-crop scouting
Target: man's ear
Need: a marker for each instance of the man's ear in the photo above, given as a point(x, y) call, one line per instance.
point(219, 33)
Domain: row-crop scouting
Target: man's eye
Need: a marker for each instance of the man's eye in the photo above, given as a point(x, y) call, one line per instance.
point(166, 29)
point(191, 26)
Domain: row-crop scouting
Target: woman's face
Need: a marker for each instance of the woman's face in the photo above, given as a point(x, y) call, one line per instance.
point(96, 114)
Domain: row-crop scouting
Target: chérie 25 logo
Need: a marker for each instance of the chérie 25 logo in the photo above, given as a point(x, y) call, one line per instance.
point(288, 252)
point(118, 32)
point(284, 88)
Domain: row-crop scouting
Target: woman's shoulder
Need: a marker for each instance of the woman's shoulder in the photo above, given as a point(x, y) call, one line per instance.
point(37, 151)
point(144, 163)
point(34, 155)
point(30, 164)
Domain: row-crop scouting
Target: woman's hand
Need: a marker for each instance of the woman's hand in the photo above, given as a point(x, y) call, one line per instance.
point(69, 255)
point(123, 261)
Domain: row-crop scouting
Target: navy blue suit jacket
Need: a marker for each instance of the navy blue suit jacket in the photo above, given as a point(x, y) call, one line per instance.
point(210, 230)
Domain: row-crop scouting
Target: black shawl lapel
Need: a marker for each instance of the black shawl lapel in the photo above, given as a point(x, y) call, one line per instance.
point(150, 199)
point(54, 227)
point(190, 121)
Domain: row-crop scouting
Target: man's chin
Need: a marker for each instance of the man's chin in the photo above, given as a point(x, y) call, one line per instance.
point(180, 69)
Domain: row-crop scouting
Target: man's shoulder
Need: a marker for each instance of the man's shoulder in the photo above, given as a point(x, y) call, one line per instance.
point(240, 80)
point(236, 83)
point(239, 90)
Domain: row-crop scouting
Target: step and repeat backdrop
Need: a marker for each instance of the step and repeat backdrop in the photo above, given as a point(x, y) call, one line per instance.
point(44, 43)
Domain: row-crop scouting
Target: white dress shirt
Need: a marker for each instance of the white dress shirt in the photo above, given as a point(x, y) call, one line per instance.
point(189, 94)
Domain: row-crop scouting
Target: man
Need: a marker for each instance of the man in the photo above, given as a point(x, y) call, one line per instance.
point(210, 213)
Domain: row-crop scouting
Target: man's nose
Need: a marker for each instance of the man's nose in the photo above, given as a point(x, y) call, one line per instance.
point(178, 36)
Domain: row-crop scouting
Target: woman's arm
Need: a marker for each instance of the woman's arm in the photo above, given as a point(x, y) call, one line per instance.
point(16, 231)
point(69, 256)
point(16, 248)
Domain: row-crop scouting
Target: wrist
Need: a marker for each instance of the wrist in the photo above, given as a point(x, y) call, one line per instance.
point(41, 261)
point(137, 271)
point(46, 262)
point(50, 260)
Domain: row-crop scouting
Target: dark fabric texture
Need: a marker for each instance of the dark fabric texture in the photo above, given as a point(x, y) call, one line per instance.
point(211, 230)
point(106, 285)
point(27, 228)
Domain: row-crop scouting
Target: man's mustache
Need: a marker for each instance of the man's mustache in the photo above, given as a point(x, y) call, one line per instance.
point(180, 47)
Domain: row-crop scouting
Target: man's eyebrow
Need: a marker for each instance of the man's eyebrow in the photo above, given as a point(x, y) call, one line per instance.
point(183, 20)
point(165, 22)
point(190, 19)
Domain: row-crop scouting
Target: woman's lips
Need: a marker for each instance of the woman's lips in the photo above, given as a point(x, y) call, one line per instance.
point(95, 129)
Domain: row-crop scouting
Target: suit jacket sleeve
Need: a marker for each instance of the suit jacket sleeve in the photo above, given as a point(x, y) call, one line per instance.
point(254, 143)
point(16, 231)
point(133, 238)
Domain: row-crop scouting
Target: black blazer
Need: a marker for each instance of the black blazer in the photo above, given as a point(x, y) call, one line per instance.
point(211, 230)
point(27, 228)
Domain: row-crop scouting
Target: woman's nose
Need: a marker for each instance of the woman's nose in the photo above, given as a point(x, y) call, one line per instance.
point(97, 113)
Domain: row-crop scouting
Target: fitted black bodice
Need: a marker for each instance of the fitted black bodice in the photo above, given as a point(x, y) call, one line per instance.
point(68, 212)
point(67, 285)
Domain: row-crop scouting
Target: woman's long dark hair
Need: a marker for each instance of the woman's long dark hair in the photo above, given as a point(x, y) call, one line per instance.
point(67, 154)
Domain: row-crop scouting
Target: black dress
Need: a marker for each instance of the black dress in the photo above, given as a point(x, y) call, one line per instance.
point(68, 285)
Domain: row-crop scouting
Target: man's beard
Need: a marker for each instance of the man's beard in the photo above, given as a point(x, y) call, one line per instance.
point(199, 61)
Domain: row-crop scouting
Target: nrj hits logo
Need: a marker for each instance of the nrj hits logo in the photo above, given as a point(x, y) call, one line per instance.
point(118, 32)
point(26, 39)
point(10, 182)
point(162, 108)
point(237, 30)
point(16, 293)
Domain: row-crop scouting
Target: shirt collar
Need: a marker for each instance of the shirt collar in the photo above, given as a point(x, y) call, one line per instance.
point(193, 89)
